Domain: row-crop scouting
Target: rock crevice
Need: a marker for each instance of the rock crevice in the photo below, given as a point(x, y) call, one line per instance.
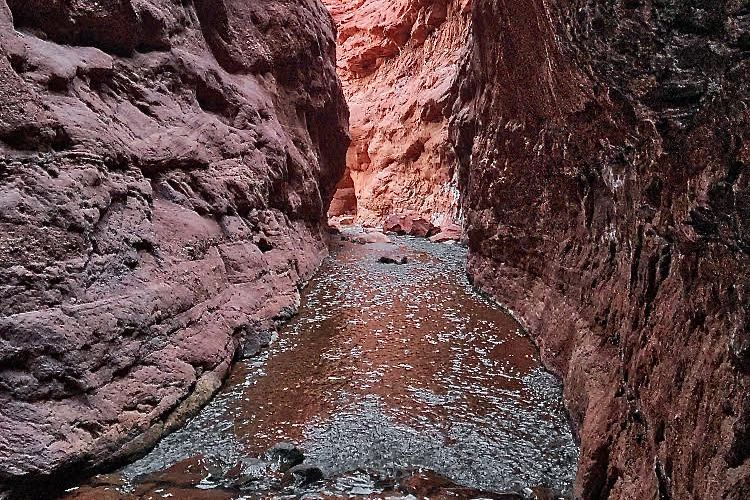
point(165, 167)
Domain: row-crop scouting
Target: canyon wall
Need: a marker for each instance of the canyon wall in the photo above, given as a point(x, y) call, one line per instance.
point(397, 60)
point(164, 168)
point(604, 151)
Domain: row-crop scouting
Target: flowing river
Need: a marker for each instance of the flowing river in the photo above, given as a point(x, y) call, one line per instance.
point(394, 380)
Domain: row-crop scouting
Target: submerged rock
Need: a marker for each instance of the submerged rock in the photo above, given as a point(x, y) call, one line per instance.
point(254, 343)
point(249, 471)
point(304, 475)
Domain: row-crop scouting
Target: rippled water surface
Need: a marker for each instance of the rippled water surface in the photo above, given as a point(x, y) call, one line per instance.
point(386, 368)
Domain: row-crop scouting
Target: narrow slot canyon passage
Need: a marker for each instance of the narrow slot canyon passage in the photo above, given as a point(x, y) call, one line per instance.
point(398, 62)
point(394, 380)
point(388, 249)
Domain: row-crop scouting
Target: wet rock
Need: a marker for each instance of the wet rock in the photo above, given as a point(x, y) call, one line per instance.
point(249, 471)
point(285, 314)
point(393, 259)
point(333, 230)
point(304, 475)
point(285, 455)
point(215, 471)
point(541, 493)
point(255, 342)
point(185, 473)
point(180, 199)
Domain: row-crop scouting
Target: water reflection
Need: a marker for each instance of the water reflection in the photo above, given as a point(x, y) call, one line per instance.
point(387, 367)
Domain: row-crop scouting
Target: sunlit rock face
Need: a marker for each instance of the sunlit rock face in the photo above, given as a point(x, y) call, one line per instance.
point(164, 168)
point(398, 60)
point(604, 151)
point(344, 200)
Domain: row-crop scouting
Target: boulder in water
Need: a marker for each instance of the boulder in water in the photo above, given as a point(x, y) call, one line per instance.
point(285, 456)
point(304, 474)
point(393, 259)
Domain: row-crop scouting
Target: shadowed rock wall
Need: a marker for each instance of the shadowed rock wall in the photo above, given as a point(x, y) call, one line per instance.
point(604, 151)
point(164, 167)
point(397, 60)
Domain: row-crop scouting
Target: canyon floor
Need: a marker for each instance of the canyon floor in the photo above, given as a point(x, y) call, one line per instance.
point(393, 381)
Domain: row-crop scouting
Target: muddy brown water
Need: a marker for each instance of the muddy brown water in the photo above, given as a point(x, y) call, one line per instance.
point(388, 371)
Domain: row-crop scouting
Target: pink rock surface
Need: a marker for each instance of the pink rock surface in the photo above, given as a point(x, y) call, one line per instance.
point(345, 198)
point(164, 170)
point(408, 223)
point(398, 60)
point(370, 237)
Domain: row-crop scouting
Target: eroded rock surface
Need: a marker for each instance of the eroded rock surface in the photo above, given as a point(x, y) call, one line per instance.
point(164, 167)
point(409, 223)
point(397, 60)
point(604, 152)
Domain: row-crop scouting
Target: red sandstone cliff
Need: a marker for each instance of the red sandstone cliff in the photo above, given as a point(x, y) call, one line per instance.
point(164, 167)
point(604, 150)
point(397, 60)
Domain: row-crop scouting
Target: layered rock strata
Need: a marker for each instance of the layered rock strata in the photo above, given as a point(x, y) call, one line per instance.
point(604, 151)
point(397, 60)
point(164, 169)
